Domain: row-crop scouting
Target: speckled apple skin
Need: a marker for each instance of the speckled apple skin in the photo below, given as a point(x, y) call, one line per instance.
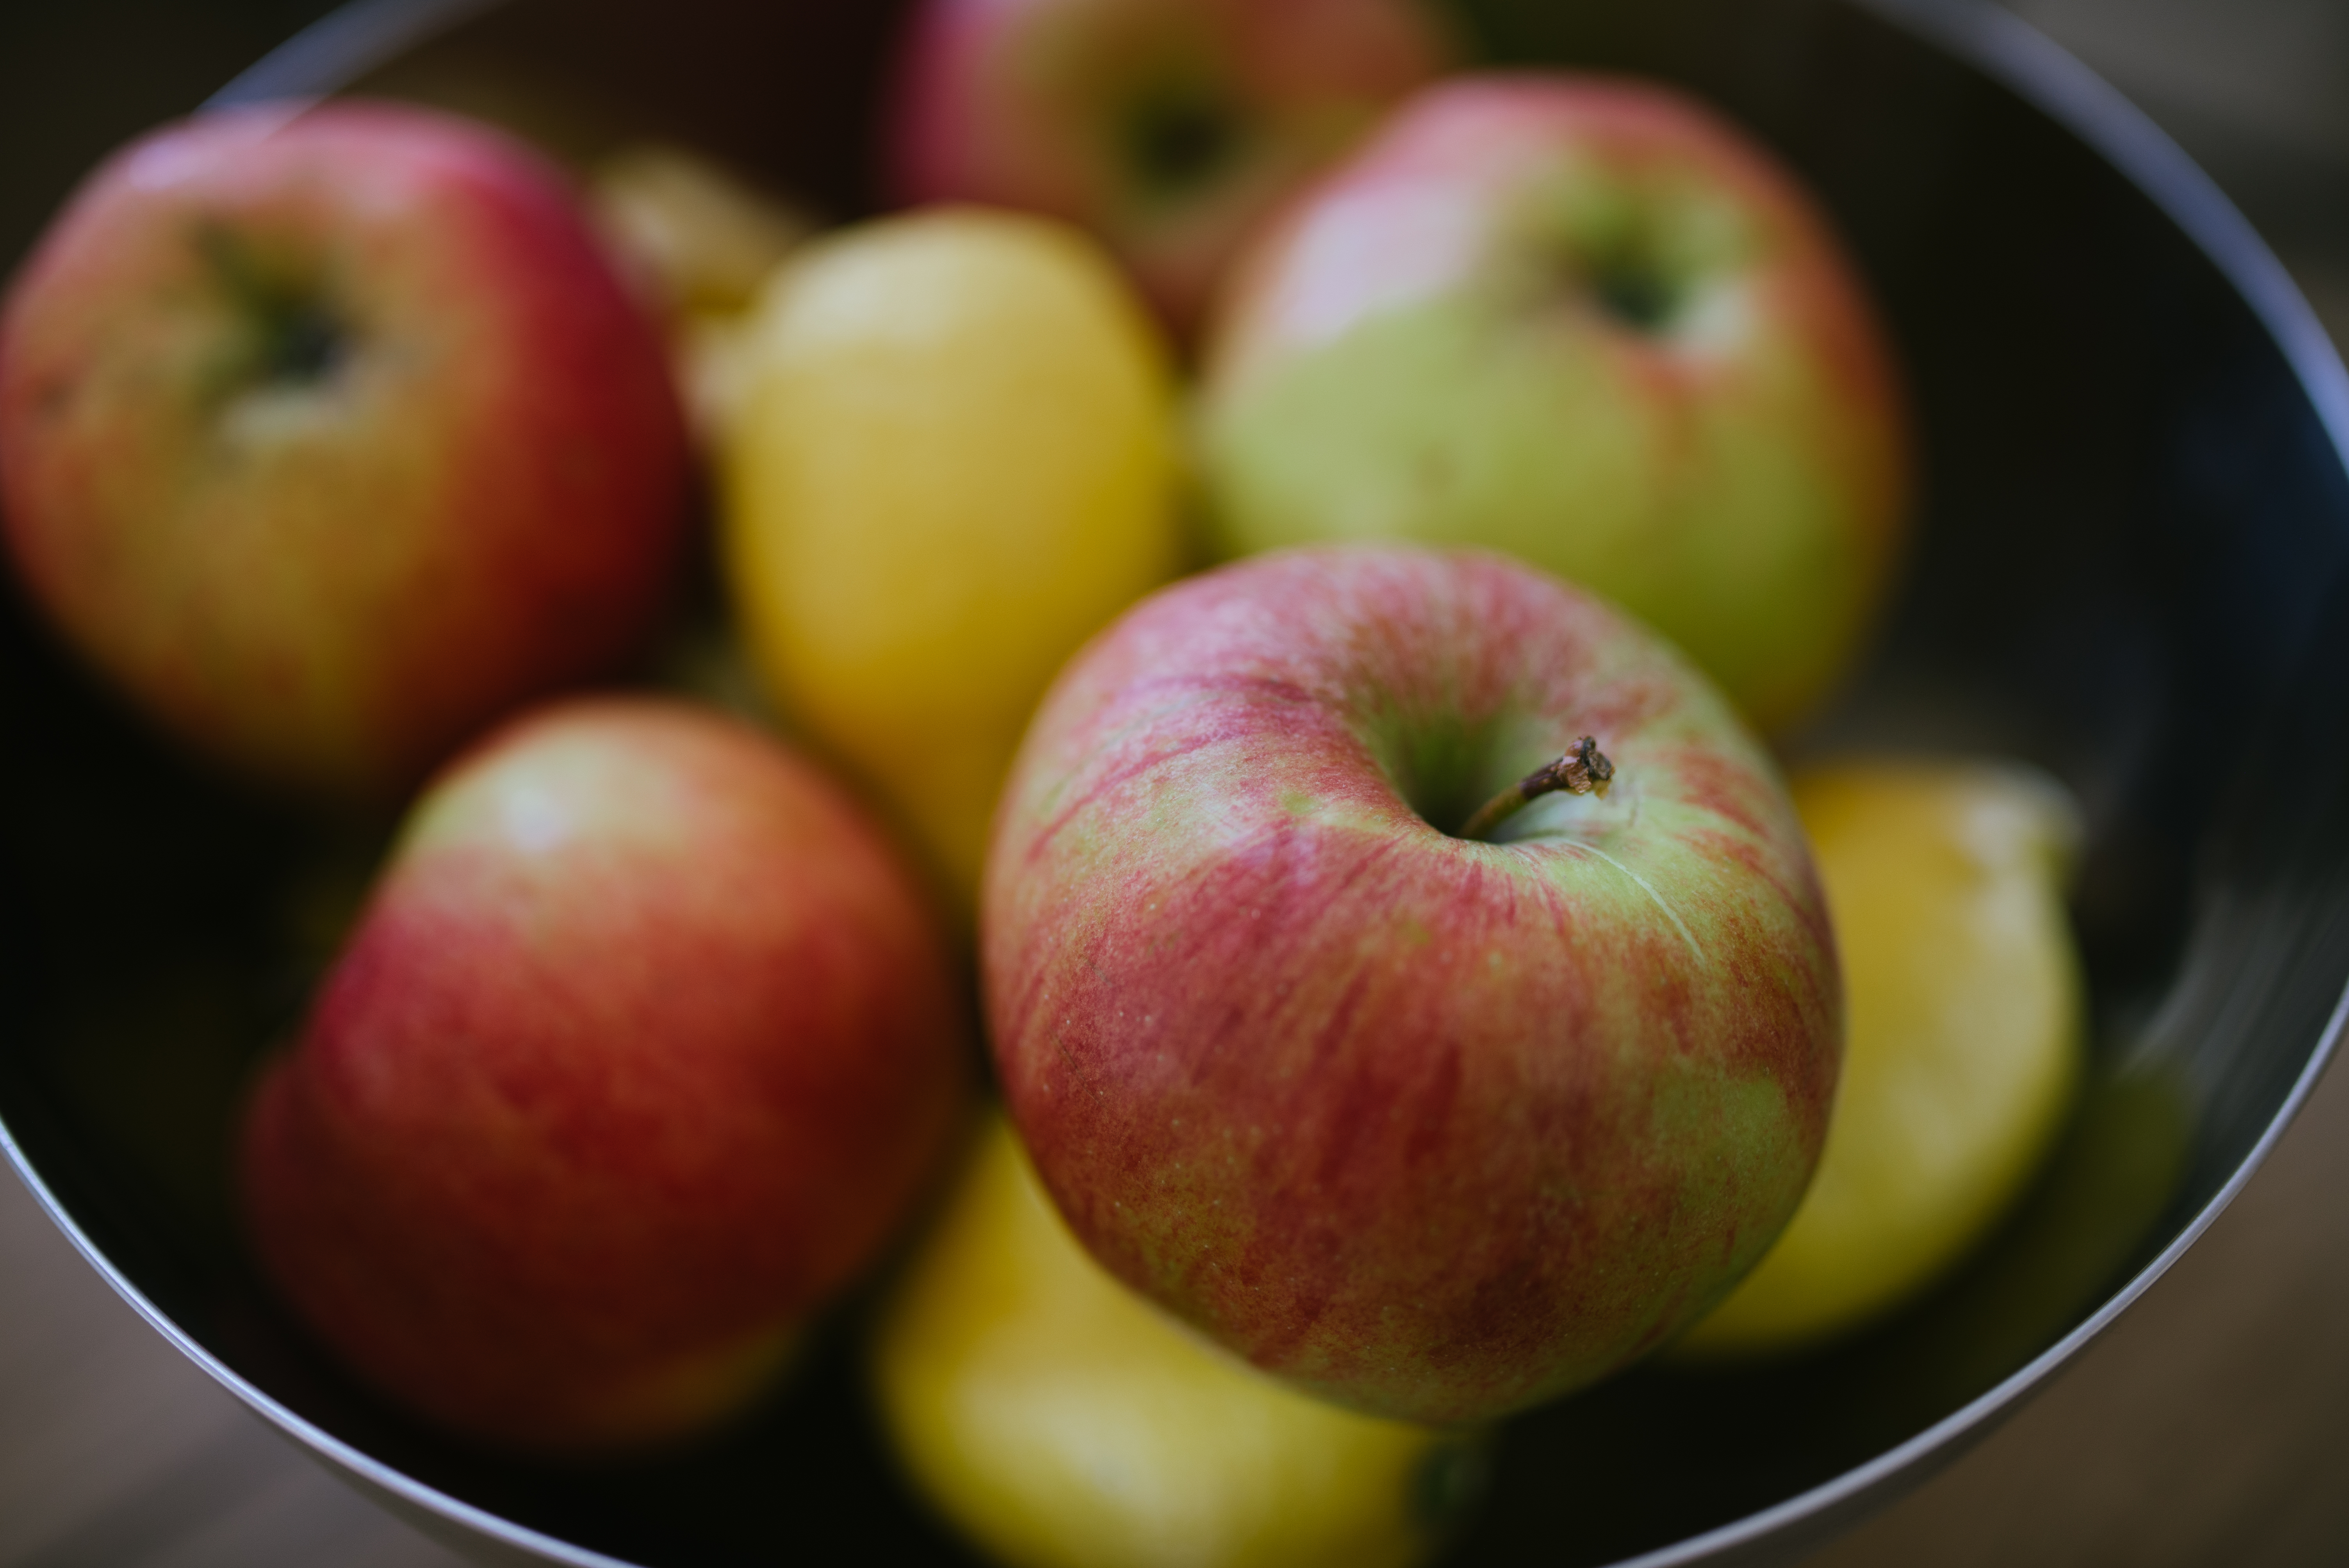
point(644, 1045)
point(1436, 1129)
point(331, 586)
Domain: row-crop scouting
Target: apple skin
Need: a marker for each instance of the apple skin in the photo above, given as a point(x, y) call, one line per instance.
point(1435, 1129)
point(1169, 127)
point(643, 1047)
point(1585, 321)
point(330, 436)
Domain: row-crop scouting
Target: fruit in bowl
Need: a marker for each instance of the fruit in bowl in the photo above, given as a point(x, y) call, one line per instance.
point(1993, 344)
point(330, 434)
point(1169, 129)
point(1585, 321)
point(952, 461)
point(700, 240)
point(1966, 1003)
point(1062, 1421)
point(643, 1047)
point(1433, 1126)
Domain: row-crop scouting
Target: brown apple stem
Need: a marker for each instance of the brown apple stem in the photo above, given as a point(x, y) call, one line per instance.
point(1583, 770)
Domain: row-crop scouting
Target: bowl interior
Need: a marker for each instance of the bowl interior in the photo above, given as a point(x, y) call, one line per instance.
point(2128, 571)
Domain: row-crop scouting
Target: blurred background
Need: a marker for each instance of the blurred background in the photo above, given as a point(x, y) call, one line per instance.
point(2211, 1426)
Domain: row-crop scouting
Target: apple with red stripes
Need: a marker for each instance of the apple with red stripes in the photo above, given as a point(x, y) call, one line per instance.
point(1408, 970)
point(644, 1045)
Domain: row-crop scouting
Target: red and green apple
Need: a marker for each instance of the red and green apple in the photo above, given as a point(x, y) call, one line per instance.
point(642, 1048)
point(331, 434)
point(1169, 127)
point(1585, 321)
point(1436, 1118)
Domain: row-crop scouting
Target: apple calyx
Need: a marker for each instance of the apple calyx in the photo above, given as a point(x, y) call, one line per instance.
point(1583, 770)
point(300, 339)
point(1635, 294)
point(1179, 135)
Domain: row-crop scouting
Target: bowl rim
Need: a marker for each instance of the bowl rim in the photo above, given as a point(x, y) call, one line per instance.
point(2012, 53)
point(349, 41)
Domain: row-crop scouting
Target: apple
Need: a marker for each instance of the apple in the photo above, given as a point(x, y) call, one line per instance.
point(1169, 127)
point(642, 1048)
point(331, 435)
point(1433, 1126)
point(1585, 321)
point(700, 240)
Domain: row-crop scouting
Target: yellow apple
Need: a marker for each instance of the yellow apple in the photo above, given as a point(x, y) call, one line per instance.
point(701, 237)
point(1963, 1007)
point(699, 241)
point(1062, 1421)
point(954, 460)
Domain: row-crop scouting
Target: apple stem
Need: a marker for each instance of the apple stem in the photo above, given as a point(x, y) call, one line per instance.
point(1583, 770)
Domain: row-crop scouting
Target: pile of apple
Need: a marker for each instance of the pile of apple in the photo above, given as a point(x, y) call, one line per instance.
point(1401, 965)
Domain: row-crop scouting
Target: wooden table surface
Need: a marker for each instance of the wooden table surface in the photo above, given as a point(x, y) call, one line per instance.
point(2211, 1426)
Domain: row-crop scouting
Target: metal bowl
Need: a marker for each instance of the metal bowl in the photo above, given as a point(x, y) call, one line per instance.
point(2130, 572)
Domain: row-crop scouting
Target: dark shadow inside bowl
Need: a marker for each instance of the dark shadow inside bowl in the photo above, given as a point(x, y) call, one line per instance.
point(2130, 571)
